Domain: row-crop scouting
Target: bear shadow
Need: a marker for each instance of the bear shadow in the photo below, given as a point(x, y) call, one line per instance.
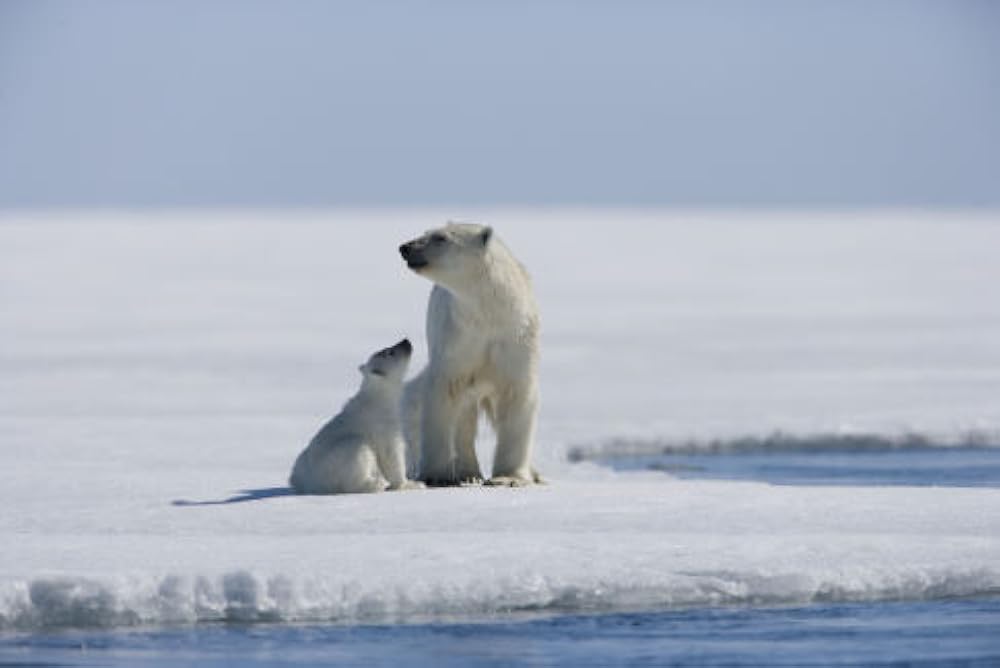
point(242, 496)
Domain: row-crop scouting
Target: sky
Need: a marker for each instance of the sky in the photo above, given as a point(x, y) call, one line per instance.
point(226, 103)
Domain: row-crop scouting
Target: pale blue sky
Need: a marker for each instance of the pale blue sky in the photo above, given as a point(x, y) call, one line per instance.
point(300, 103)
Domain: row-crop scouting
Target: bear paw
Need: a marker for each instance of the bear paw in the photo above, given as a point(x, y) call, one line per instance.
point(434, 481)
point(442, 481)
point(507, 481)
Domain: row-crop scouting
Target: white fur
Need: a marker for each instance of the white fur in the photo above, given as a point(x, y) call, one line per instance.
point(361, 449)
point(482, 333)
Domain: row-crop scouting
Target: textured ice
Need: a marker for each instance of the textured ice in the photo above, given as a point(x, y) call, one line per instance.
point(626, 542)
point(160, 373)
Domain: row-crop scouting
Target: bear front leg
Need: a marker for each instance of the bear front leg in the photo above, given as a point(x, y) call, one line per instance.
point(468, 469)
point(438, 465)
point(411, 408)
point(515, 425)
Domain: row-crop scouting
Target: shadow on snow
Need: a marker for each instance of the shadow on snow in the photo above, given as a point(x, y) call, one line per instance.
point(242, 496)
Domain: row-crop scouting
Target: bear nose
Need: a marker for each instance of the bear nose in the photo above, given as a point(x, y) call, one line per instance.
point(404, 250)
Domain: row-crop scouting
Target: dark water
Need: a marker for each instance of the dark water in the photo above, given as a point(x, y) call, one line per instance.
point(951, 467)
point(963, 632)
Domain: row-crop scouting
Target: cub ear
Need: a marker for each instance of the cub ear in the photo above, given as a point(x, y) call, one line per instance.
point(486, 235)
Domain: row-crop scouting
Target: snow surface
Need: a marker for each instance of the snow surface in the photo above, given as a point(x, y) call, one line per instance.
point(155, 365)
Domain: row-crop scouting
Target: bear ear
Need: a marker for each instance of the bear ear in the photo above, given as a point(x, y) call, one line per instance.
point(486, 235)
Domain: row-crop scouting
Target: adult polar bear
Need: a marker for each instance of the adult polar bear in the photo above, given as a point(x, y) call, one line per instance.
point(482, 335)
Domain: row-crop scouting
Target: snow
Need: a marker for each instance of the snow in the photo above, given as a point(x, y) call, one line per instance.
point(155, 365)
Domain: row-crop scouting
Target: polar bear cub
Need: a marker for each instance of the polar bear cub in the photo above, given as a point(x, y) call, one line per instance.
point(361, 449)
point(482, 335)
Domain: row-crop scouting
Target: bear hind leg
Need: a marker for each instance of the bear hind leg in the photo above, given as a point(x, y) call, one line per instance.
point(515, 425)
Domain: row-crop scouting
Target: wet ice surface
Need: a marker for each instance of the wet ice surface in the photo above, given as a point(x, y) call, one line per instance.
point(943, 467)
point(961, 632)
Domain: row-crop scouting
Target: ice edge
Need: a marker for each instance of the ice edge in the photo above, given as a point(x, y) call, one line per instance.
point(245, 596)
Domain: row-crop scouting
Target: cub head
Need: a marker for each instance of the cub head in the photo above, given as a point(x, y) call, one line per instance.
point(450, 254)
point(388, 364)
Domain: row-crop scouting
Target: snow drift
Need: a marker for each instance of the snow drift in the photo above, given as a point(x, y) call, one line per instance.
point(629, 542)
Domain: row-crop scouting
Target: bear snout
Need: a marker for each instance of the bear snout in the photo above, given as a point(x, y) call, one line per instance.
point(412, 253)
point(408, 250)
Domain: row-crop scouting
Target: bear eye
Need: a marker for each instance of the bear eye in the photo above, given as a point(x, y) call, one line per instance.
point(437, 239)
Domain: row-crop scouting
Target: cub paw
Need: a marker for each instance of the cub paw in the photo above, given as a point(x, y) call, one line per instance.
point(408, 485)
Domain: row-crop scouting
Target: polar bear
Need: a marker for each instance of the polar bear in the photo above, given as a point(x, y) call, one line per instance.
point(482, 334)
point(361, 449)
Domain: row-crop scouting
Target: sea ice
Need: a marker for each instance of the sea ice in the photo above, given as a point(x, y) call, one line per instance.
point(155, 365)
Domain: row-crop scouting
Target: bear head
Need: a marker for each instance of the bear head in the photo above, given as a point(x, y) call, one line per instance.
point(388, 364)
point(448, 255)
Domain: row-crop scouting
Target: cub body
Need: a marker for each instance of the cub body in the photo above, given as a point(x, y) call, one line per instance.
point(361, 449)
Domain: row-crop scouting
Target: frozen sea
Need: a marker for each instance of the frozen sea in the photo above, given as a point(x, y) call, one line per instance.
point(769, 438)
